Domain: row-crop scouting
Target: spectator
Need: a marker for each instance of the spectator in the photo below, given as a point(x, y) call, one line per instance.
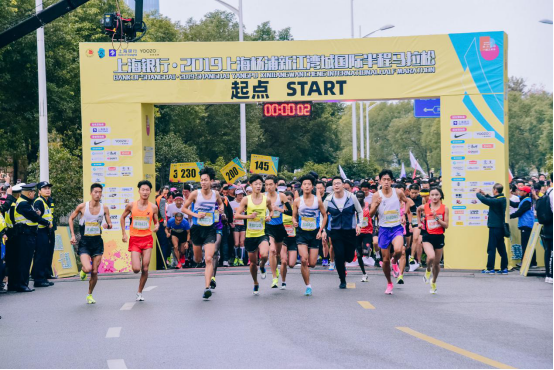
point(546, 233)
point(526, 219)
point(495, 223)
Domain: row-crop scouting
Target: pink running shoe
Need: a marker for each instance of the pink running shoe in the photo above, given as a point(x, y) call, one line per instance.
point(395, 270)
point(389, 289)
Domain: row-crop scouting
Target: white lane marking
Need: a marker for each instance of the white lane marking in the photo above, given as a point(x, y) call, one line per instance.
point(127, 306)
point(116, 364)
point(114, 332)
point(149, 288)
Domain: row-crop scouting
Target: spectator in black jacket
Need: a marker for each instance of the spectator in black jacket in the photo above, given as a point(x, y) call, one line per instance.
point(495, 223)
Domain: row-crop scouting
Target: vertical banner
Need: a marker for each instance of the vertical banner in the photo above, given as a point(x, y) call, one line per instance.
point(233, 171)
point(534, 241)
point(64, 263)
point(264, 164)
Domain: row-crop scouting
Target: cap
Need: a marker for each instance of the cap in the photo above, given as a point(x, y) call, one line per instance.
point(249, 188)
point(526, 189)
point(17, 188)
point(43, 184)
point(239, 191)
point(231, 187)
point(27, 187)
point(173, 189)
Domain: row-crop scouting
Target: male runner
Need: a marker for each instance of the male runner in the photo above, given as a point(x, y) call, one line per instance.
point(343, 206)
point(415, 256)
point(387, 203)
point(309, 217)
point(289, 251)
point(275, 228)
point(239, 231)
point(174, 207)
point(365, 238)
point(177, 229)
point(322, 243)
point(256, 240)
point(436, 218)
point(141, 242)
point(91, 245)
point(205, 210)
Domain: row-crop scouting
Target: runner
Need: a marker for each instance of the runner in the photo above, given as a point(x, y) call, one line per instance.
point(436, 216)
point(343, 207)
point(406, 220)
point(256, 240)
point(239, 232)
point(322, 243)
point(289, 251)
point(415, 256)
point(387, 203)
point(308, 216)
point(91, 245)
point(175, 207)
point(177, 229)
point(275, 228)
point(204, 214)
point(141, 242)
point(365, 238)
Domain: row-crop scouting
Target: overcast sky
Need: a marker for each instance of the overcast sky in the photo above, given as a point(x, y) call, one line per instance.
point(530, 42)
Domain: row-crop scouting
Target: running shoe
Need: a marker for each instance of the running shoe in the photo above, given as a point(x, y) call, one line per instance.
point(414, 266)
point(207, 293)
point(262, 271)
point(308, 291)
point(236, 262)
point(225, 263)
point(182, 259)
point(395, 270)
point(427, 277)
point(342, 285)
point(389, 289)
point(275, 283)
point(502, 272)
point(325, 262)
point(179, 266)
point(241, 262)
point(364, 278)
point(140, 298)
point(332, 266)
point(256, 290)
point(90, 300)
point(283, 286)
point(433, 288)
point(83, 275)
point(400, 280)
point(490, 272)
point(212, 283)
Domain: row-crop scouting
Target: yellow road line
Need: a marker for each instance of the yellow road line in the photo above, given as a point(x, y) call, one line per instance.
point(366, 305)
point(460, 351)
point(351, 286)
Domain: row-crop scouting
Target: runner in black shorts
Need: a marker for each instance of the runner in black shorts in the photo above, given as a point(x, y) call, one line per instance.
point(289, 251)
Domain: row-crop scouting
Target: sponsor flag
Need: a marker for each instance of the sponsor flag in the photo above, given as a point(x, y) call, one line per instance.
point(510, 176)
point(403, 171)
point(415, 164)
point(342, 174)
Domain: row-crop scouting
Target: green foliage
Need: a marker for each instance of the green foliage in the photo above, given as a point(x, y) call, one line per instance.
point(170, 148)
point(66, 176)
point(361, 169)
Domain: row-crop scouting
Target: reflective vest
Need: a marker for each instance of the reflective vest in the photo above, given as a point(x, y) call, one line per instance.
point(20, 219)
point(9, 221)
point(48, 216)
point(2, 223)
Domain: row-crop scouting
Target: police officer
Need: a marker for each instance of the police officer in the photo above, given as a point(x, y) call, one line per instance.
point(26, 221)
point(42, 260)
point(11, 245)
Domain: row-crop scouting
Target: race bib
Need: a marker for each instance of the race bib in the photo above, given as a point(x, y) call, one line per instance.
point(365, 222)
point(276, 214)
point(291, 231)
point(256, 224)
point(216, 216)
point(239, 222)
point(207, 220)
point(141, 223)
point(433, 224)
point(308, 223)
point(92, 228)
point(392, 217)
point(414, 220)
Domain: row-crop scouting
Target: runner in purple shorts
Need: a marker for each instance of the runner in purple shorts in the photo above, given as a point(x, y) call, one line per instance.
point(391, 231)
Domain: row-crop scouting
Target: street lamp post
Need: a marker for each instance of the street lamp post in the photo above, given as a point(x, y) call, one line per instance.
point(238, 12)
point(368, 108)
point(42, 102)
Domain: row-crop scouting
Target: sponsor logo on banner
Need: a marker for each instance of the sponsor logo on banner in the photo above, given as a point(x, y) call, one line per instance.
point(458, 168)
point(487, 146)
point(474, 218)
point(97, 156)
point(457, 141)
point(112, 172)
point(127, 190)
point(488, 183)
point(461, 116)
point(458, 129)
point(112, 156)
point(97, 148)
point(126, 171)
point(89, 52)
point(122, 141)
point(97, 124)
point(459, 189)
point(461, 135)
point(95, 142)
point(483, 135)
point(97, 136)
point(488, 48)
point(100, 130)
point(475, 223)
point(459, 207)
point(458, 173)
point(112, 52)
point(460, 122)
point(111, 190)
point(101, 53)
point(474, 167)
point(126, 152)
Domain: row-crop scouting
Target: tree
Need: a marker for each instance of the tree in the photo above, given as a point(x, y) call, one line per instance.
point(170, 149)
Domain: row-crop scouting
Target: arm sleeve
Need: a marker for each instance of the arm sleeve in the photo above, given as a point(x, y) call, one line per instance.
point(526, 206)
point(288, 209)
point(359, 210)
point(26, 211)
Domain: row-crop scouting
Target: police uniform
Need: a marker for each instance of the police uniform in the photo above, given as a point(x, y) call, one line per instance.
point(6, 230)
point(26, 221)
point(42, 259)
point(11, 245)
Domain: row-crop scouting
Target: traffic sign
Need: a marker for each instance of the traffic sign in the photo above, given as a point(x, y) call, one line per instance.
point(427, 108)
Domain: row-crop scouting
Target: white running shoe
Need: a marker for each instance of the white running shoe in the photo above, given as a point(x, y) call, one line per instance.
point(225, 263)
point(414, 266)
point(332, 266)
point(140, 298)
point(368, 261)
point(364, 278)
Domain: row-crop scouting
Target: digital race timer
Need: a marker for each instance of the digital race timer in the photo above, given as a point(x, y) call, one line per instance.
point(287, 109)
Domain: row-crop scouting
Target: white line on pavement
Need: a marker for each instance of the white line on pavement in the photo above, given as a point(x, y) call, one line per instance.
point(127, 306)
point(149, 288)
point(114, 332)
point(116, 364)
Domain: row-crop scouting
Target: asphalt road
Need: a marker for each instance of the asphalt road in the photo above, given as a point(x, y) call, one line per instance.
point(474, 321)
